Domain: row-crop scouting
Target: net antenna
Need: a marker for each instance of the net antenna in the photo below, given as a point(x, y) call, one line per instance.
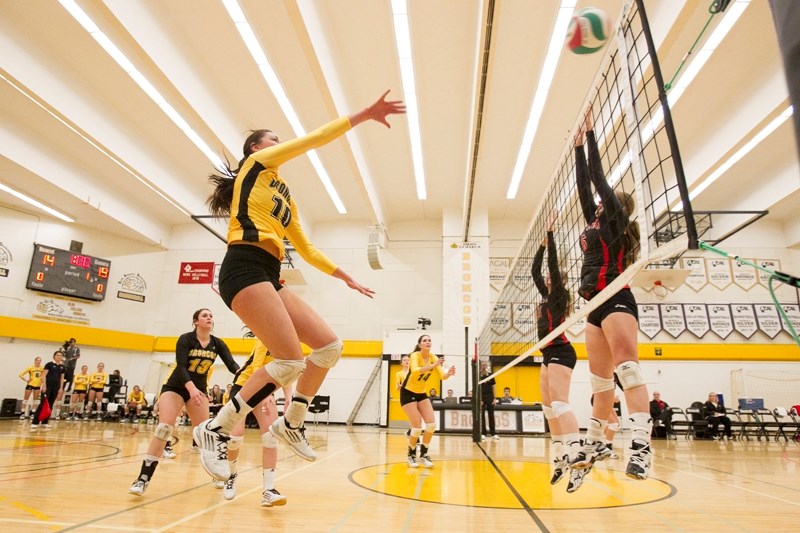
point(640, 157)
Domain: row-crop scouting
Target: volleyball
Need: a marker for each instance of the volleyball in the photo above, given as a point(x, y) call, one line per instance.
point(588, 30)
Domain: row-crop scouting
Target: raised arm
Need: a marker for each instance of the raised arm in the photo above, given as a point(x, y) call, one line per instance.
point(378, 111)
point(536, 269)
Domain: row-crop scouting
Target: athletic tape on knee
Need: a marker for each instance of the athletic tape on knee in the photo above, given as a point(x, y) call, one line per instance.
point(163, 431)
point(548, 412)
point(601, 384)
point(560, 408)
point(430, 428)
point(327, 356)
point(285, 371)
point(236, 442)
point(416, 432)
point(268, 440)
point(630, 375)
point(614, 426)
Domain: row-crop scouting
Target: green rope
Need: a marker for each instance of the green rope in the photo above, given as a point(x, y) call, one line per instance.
point(668, 85)
point(773, 275)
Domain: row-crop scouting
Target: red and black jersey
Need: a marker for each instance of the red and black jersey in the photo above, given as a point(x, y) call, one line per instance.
point(553, 309)
point(602, 241)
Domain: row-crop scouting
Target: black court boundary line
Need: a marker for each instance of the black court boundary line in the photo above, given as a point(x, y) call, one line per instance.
point(517, 495)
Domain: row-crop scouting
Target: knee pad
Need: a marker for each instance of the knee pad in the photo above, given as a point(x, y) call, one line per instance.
point(548, 412)
point(613, 427)
point(268, 440)
point(601, 384)
point(560, 408)
point(630, 375)
point(163, 431)
point(416, 432)
point(327, 356)
point(236, 442)
point(430, 428)
point(285, 371)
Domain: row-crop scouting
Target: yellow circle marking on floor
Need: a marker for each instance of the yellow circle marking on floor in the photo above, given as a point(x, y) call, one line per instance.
point(478, 484)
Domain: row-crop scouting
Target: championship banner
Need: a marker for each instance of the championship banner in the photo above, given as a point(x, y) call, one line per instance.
point(744, 319)
point(521, 276)
point(720, 320)
point(672, 319)
point(793, 313)
point(649, 320)
point(523, 319)
point(501, 318)
point(696, 319)
point(498, 272)
point(744, 275)
point(697, 278)
point(719, 273)
point(769, 321)
point(771, 264)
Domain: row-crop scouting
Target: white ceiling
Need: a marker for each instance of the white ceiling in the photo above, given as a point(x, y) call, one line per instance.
point(77, 134)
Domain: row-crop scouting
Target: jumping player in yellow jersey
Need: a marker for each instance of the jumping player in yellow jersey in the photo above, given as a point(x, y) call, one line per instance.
point(97, 382)
point(415, 402)
point(263, 213)
point(195, 353)
point(80, 386)
point(32, 376)
point(266, 414)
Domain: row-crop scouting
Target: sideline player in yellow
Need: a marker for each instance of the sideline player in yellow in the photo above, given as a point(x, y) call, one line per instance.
point(97, 382)
point(137, 401)
point(266, 414)
point(414, 398)
point(80, 386)
point(33, 386)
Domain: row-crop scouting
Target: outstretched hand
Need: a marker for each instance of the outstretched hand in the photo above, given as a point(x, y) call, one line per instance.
point(353, 284)
point(378, 111)
point(551, 221)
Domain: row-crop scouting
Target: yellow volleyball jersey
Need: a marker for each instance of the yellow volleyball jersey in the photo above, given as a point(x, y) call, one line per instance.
point(98, 380)
point(136, 397)
point(35, 375)
point(416, 379)
point(259, 357)
point(400, 376)
point(263, 210)
point(80, 382)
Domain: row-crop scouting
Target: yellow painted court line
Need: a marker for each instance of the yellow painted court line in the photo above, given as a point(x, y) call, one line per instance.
point(251, 491)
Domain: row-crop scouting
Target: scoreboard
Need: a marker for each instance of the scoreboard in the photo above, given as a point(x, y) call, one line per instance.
point(68, 273)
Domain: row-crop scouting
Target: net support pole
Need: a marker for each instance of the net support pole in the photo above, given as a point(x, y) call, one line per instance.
point(669, 126)
point(477, 397)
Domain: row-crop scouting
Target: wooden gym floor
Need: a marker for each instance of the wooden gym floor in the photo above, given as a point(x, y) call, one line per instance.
point(75, 477)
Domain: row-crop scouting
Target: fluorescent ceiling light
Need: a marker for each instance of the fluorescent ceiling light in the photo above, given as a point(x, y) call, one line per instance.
point(260, 57)
point(402, 35)
point(698, 61)
point(540, 97)
point(35, 203)
point(94, 145)
point(119, 57)
point(738, 155)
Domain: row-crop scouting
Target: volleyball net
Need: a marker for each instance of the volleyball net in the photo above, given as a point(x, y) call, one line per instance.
point(639, 156)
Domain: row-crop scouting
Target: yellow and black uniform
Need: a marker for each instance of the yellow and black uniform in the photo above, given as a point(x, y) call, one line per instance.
point(259, 357)
point(80, 383)
point(263, 213)
point(34, 377)
point(97, 381)
point(400, 376)
point(193, 362)
point(137, 398)
point(415, 385)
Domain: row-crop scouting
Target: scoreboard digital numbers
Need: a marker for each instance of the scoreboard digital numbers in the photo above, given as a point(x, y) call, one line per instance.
point(71, 274)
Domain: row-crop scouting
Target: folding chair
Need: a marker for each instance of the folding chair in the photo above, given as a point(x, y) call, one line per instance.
point(320, 404)
point(736, 422)
point(680, 422)
point(698, 426)
point(795, 416)
point(769, 424)
point(785, 421)
point(750, 421)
